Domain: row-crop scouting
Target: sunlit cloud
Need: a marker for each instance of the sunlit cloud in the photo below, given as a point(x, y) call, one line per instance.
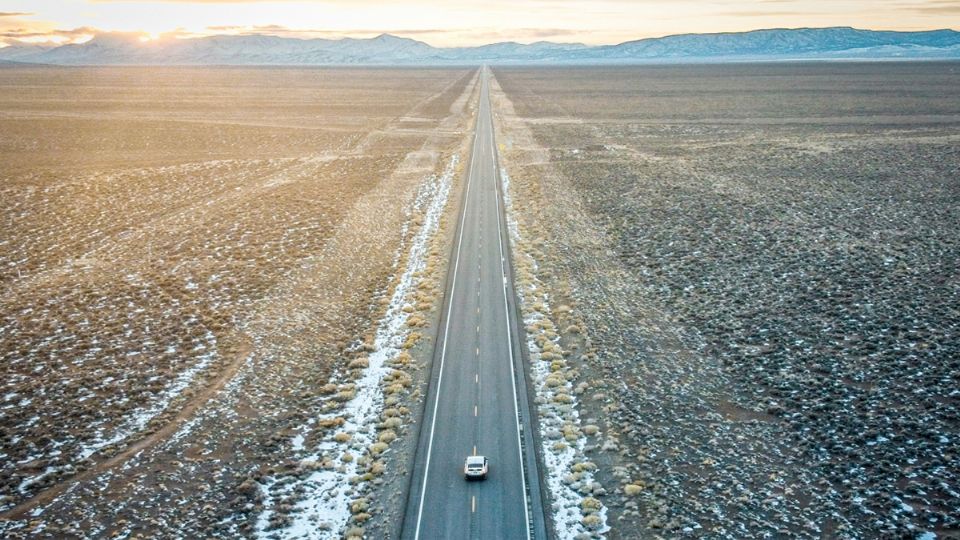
point(935, 7)
point(464, 22)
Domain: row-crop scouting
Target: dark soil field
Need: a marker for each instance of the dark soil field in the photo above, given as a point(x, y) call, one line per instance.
point(767, 262)
point(188, 258)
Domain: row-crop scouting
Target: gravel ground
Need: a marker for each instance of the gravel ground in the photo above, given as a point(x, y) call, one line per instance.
point(767, 261)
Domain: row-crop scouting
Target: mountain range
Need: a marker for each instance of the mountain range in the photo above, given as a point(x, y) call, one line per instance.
point(837, 43)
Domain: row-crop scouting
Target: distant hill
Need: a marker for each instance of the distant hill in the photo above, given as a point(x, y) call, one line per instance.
point(758, 45)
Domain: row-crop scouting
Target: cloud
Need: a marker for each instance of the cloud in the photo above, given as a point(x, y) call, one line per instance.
point(13, 36)
point(14, 14)
point(203, 1)
point(524, 34)
point(761, 13)
point(276, 29)
point(934, 7)
point(521, 33)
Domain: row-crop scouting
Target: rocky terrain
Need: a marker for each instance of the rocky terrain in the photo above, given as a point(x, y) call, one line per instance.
point(765, 262)
point(189, 260)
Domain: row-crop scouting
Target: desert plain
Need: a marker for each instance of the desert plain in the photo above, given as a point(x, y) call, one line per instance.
point(758, 275)
point(743, 281)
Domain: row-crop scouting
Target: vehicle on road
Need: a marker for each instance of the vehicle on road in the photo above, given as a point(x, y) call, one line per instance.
point(476, 468)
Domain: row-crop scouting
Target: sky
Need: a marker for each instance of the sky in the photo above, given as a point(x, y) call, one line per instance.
point(456, 22)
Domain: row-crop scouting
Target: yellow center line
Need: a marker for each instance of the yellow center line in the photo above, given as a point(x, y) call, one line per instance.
point(474, 450)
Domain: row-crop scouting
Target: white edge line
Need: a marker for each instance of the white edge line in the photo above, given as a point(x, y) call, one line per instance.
point(446, 329)
point(506, 310)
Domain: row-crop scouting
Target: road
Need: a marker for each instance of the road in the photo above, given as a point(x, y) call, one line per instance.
point(477, 398)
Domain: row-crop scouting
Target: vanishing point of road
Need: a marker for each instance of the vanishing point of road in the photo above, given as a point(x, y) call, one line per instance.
point(477, 401)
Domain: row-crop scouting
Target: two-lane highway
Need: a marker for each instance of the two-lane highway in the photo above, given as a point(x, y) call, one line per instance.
point(477, 401)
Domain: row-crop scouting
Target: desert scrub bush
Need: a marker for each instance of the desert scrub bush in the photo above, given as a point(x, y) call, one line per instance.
point(345, 395)
point(412, 340)
point(591, 521)
point(590, 505)
point(402, 359)
point(359, 363)
point(632, 489)
point(400, 377)
point(391, 423)
point(395, 388)
point(549, 356)
point(378, 448)
point(354, 533)
point(590, 429)
point(584, 466)
point(387, 436)
point(571, 433)
point(327, 423)
point(342, 437)
point(347, 457)
point(359, 505)
point(555, 379)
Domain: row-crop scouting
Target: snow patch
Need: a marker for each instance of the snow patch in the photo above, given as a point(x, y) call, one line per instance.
point(566, 466)
point(138, 419)
point(323, 509)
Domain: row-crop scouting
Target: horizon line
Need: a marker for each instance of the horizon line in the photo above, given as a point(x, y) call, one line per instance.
point(176, 35)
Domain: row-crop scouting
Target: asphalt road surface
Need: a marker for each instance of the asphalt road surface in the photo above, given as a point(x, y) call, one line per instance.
point(477, 400)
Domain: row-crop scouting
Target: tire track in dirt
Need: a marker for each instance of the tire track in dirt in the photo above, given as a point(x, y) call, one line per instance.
point(245, 347)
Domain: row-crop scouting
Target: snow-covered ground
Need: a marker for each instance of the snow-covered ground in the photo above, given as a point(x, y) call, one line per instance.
point(568, 472)
point(341, 461)
point(139, 419)
point(136, 421)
